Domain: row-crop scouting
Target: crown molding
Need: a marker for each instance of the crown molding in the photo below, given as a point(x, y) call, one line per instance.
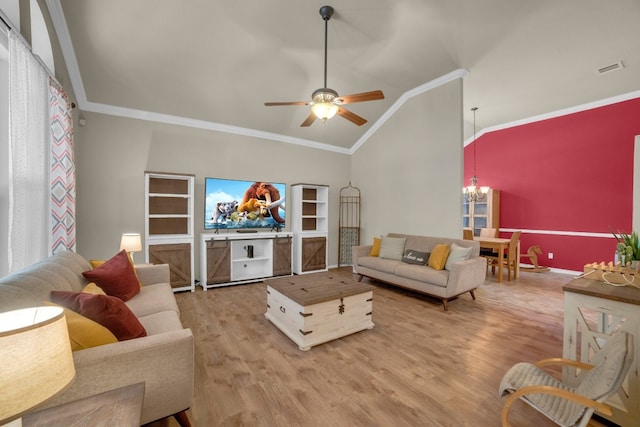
point(558, 113)
point(453, 75)
point(151, 116)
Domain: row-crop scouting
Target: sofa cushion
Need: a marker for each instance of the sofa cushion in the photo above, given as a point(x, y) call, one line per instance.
point(412, 256)
point(161, 322)
point(378, 264)
point(375, 248)
point(31, 286)
point(111, 312)
point(438, 257)
point(153, 299)
point(392, 247)
point(457, 253)
point(116, 277)
point(423, 274)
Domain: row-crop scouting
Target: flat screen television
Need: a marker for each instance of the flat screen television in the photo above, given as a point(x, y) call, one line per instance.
point(235, 204)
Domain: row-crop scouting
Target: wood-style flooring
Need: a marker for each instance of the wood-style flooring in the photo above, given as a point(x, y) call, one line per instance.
point(419, 365)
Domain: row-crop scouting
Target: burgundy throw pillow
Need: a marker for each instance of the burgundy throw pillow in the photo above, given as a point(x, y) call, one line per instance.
point(110, 312)
point(116, 277)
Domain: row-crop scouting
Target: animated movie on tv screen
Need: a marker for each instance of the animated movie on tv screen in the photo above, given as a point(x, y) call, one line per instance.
point(235, 204)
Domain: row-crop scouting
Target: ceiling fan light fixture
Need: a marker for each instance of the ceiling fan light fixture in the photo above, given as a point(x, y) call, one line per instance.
point(324, 110)
point(325, 102)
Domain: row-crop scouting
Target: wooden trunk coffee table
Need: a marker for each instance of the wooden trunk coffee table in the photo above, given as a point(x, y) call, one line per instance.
point(312, 309)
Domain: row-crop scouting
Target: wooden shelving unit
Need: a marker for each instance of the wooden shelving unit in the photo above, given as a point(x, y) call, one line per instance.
point(169, 225)
point(309, 224)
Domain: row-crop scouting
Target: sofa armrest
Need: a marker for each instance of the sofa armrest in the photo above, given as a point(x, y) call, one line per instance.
point(357, 252)
point(164, 362)
point(150, 274)
point(466, 275)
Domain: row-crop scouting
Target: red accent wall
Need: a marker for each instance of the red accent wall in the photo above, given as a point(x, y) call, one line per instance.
point(570, 173)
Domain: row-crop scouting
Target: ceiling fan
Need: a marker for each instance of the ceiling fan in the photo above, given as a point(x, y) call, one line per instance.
point(326, 102)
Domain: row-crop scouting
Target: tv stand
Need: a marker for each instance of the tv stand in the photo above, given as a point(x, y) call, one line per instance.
point(233, 259)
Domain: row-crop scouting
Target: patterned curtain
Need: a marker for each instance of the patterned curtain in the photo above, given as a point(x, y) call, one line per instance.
point(63, 172)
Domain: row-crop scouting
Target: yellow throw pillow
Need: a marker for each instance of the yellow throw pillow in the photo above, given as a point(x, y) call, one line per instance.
point(375, 249)
point(94, 289)
point(84, 332)
point(95, 263)
point(439, 255)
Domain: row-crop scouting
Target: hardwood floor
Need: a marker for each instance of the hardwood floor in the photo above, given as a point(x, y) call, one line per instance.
point(419, 366)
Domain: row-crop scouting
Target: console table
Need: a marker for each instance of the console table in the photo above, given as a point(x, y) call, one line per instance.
point(595, 311)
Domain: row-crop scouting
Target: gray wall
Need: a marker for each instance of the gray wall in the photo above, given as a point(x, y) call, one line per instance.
point(112, 154)
point(410, 170)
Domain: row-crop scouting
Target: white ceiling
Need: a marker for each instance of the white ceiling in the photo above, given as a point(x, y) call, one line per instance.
point(217, 62)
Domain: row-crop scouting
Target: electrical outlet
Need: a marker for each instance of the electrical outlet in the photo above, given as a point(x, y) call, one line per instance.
point(550, 255)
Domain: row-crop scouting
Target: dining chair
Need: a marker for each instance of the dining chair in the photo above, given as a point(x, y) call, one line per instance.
point(513, 257)
point(467, 234)
point(570, 404)
point(488, 232)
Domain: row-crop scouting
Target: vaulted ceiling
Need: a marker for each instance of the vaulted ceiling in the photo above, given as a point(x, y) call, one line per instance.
point(217, 62)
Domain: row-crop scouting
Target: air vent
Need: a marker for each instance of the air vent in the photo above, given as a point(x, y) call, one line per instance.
point(612, 67)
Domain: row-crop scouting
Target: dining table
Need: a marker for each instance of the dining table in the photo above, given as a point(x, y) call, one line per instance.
point(498, 245)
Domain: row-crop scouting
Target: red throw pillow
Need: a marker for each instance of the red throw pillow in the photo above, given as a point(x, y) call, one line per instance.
point(110, 312)
point(116, 277)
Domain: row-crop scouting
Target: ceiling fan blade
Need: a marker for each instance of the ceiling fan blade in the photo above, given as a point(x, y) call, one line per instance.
point(273, 104)
point(352, 117)
point(308, 121)
point(374, 95)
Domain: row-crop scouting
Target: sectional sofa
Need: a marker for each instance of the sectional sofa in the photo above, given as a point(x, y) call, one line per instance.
point(163, 359)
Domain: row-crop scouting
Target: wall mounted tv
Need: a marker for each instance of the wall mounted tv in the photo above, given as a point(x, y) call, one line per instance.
point(234, 204)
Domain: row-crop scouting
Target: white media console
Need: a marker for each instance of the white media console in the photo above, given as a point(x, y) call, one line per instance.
point(236, 258)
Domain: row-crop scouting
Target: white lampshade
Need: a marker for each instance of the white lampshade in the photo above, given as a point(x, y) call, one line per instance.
point(131, 242)
point(324, 110)
point(35, 359)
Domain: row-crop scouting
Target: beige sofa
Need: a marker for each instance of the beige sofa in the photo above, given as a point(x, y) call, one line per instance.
point(163, 360)
point(460, 277)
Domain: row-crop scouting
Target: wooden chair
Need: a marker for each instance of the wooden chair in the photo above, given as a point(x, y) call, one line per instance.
point(570, 404)
point(467, 234)
point(488, 232)
point(513, 257)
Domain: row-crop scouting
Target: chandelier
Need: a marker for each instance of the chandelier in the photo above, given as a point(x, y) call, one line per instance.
point(473, 192)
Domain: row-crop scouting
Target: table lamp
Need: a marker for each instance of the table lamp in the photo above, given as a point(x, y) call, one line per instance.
point(35, 360)
point(131, 243)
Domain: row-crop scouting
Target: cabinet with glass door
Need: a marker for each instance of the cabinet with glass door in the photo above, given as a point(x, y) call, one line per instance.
point(481, 214)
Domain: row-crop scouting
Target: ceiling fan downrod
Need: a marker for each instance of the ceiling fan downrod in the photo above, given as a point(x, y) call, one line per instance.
point(326, 12)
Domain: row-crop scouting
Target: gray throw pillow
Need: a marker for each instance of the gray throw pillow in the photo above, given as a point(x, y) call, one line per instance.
point(412, 256)
point(457, 253)
point(392, 247)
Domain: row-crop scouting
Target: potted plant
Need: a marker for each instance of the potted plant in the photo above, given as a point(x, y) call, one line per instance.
point(627, 247)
